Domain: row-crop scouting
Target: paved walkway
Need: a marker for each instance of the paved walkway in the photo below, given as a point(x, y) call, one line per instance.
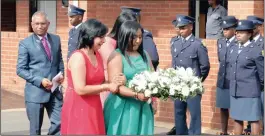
point(14, 120)
point(11, 101)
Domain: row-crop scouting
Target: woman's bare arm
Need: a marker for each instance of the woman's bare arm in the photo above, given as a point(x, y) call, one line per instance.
point(114, 68)
point(77, 66)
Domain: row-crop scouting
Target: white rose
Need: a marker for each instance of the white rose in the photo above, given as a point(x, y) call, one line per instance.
point(162, 82)
point(181, 70)
point(151, 85)
point(194, 87)
point(176, 79)
point(147, 93)
point(189, 72)
point(142, 85)
point(178, 87)
point(196, 79)
point(171, 91)
point(185, 91)
point(155, 91)
point(154, 77)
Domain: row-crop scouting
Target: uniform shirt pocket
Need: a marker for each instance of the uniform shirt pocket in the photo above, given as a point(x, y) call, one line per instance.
point(189, 59)
point(192, 56)
point(247, 61)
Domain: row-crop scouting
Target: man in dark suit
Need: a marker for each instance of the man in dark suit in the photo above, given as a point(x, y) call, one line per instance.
point(76, 17)
point(39, 61)
point(148, 42)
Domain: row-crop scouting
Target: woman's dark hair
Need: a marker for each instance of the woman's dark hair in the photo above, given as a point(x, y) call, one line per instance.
point(124, 16)
point(218, 2)
point(127, 33)
point(89, 30)
point(252, 36)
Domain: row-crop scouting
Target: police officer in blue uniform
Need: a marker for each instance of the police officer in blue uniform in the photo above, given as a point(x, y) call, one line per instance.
point(228, 25)
point(148, 43)
point(173, 39)
point(257, 37)
point(189, 51)
point(75, 16)
point(175, 23)
point(246, 79)
point(259, 41)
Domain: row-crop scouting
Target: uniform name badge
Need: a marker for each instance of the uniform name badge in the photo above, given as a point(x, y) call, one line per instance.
point(220, 46)
point(231, 51)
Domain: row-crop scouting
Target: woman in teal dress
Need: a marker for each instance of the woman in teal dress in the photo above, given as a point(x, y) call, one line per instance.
point(127, 112)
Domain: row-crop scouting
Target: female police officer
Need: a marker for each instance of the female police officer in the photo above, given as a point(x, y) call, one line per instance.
point(246, 79)
point(222, 92)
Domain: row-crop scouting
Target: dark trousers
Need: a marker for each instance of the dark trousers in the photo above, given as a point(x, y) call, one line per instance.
point(194, 106)
point(35, 112)
point(155, 63)
point(262, 113)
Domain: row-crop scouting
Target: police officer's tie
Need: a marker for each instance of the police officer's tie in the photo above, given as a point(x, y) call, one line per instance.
point(183, 42)
point(227, 42)
point(72, 31)
point(46, 47)
point(240, 48)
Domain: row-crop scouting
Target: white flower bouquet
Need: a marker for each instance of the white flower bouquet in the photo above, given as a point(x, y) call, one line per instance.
point(184, 83)
point(145, 82)
point(176, 84)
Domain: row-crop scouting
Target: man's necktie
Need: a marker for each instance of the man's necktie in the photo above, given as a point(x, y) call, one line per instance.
point(227, 43)
point(46, 47)
point(240, 48)
point(72, 31)
point(183, 40)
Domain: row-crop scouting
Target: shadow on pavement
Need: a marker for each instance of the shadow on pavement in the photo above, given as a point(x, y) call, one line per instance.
point(11, 101)
point(26, 132)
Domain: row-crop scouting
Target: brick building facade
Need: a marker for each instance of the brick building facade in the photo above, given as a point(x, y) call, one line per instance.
point(156, 17)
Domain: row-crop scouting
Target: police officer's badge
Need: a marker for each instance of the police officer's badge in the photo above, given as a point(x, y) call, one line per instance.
point(179, 19)
point(171, 43)
point(224, 22)
point(231, 51)
point(69, 9)
point(240, 23)
point(260, 40)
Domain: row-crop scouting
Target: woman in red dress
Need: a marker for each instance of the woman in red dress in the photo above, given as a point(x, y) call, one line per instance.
point(82, 110)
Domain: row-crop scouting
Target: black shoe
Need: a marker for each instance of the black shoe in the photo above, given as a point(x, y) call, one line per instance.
point(247, 131)
point(172, 131)
point(222, 133)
